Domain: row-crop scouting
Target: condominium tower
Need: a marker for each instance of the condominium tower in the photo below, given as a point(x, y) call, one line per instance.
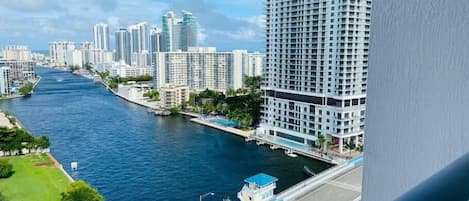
point(316, 70)
point(101, 36)
point(199, 68)
point(5, 80)
point(138, 37)
point(179, 34)
point(139, 51)
point(59, 50)
point(122, 46)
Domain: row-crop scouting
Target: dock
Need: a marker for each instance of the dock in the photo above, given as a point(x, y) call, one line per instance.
point(309, 154)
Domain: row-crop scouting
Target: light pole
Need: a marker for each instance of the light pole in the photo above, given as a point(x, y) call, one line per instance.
point(205, 195)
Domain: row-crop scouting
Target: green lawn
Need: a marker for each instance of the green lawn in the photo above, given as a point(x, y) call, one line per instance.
point(35, 179)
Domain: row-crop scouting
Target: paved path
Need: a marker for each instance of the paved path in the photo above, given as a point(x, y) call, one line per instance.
point(345, 187)
point(58, 165)
point(231, 130)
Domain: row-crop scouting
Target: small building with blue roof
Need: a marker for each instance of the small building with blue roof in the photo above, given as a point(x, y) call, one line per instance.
point(259, 187)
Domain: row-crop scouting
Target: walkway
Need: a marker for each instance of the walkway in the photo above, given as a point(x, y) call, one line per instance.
point(298, 148)
point(340, 183)
point(346, 187)
point(244, 134)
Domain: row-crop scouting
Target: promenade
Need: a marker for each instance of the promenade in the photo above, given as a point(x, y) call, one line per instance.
point(340, 183)
point(238, 132)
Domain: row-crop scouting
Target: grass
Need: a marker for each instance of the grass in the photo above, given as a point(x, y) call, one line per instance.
point(35, 179)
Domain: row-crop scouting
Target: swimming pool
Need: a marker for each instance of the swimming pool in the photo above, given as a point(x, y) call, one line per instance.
point(224, 122)
point(291, 144)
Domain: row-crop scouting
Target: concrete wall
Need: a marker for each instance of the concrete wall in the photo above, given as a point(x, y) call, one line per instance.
point(418, 94)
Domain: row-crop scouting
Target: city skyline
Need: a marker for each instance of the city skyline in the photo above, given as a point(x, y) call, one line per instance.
point(219, 25)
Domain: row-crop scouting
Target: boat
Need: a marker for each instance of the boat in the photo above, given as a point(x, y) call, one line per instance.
point(273, 147)
point(290, 153)
point(260, 143)
point(162, 113)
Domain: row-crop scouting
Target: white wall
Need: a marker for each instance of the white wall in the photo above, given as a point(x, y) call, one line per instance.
point(418, 92)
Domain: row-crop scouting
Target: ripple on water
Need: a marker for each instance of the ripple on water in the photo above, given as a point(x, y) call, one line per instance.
point(129, 154)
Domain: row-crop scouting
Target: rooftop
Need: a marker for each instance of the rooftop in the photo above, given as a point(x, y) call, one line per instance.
point(261, 180)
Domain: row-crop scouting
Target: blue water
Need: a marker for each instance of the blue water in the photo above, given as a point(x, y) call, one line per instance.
point(128, 154)
point(225, 122)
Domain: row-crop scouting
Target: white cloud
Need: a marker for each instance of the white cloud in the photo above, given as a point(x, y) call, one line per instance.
point(256, 20)
point(242, 34)
point(201, 36)
point(113, 21)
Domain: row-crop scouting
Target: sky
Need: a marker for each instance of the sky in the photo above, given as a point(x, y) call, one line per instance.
point(225, 24)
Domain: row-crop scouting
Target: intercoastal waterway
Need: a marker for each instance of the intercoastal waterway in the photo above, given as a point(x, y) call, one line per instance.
point(129, 154)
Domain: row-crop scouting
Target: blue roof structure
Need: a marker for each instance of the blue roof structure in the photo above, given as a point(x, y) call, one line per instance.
point(261, 180)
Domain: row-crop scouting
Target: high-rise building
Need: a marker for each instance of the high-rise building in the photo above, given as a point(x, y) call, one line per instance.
point(189, 31)
point(240, 60)
point(418, 91)
point(138, 37)
point(122, 46)
point(171, 32)
point(75, 58)
point(85, 48)
point(316, 71)
point(199, 68)
point(139, 51)
point(255, 65)
point(5, 80)
point(20, 70)
point(156, 42)
point(101, 36)
point(179, 34)
point(58, 51)
point(17, 52)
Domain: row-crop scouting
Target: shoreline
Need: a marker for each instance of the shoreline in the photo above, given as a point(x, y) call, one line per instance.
point(39, 78)
point(247, 135)
point(49, 154)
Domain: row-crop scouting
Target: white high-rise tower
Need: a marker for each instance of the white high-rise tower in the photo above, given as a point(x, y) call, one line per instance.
point(101, 36)
point(316, 71)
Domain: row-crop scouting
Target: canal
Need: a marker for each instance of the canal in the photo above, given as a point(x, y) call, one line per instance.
point(128, 154)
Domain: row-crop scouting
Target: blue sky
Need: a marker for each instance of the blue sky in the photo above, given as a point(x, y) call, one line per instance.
point(225, 24)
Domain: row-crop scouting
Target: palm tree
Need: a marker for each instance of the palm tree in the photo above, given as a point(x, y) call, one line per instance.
point(321, 141)
point(350, 146)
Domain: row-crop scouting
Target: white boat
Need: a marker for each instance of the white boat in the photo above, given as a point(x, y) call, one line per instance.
point(290, 153)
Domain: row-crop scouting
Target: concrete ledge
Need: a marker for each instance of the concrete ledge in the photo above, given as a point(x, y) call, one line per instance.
point(234, 131)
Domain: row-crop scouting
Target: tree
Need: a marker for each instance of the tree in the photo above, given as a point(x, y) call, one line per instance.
point(81, 191)
point(154, 95)
point(219, 107)
point(321, 141)
point(2, 198)
point(253, 83)
point(230, 92)
point(26, 89)
point(174, 110)
point(350, 146)
point(6, 169)
point(43, 142)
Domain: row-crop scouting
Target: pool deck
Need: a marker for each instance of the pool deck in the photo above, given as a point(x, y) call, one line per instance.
point(238, 132)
